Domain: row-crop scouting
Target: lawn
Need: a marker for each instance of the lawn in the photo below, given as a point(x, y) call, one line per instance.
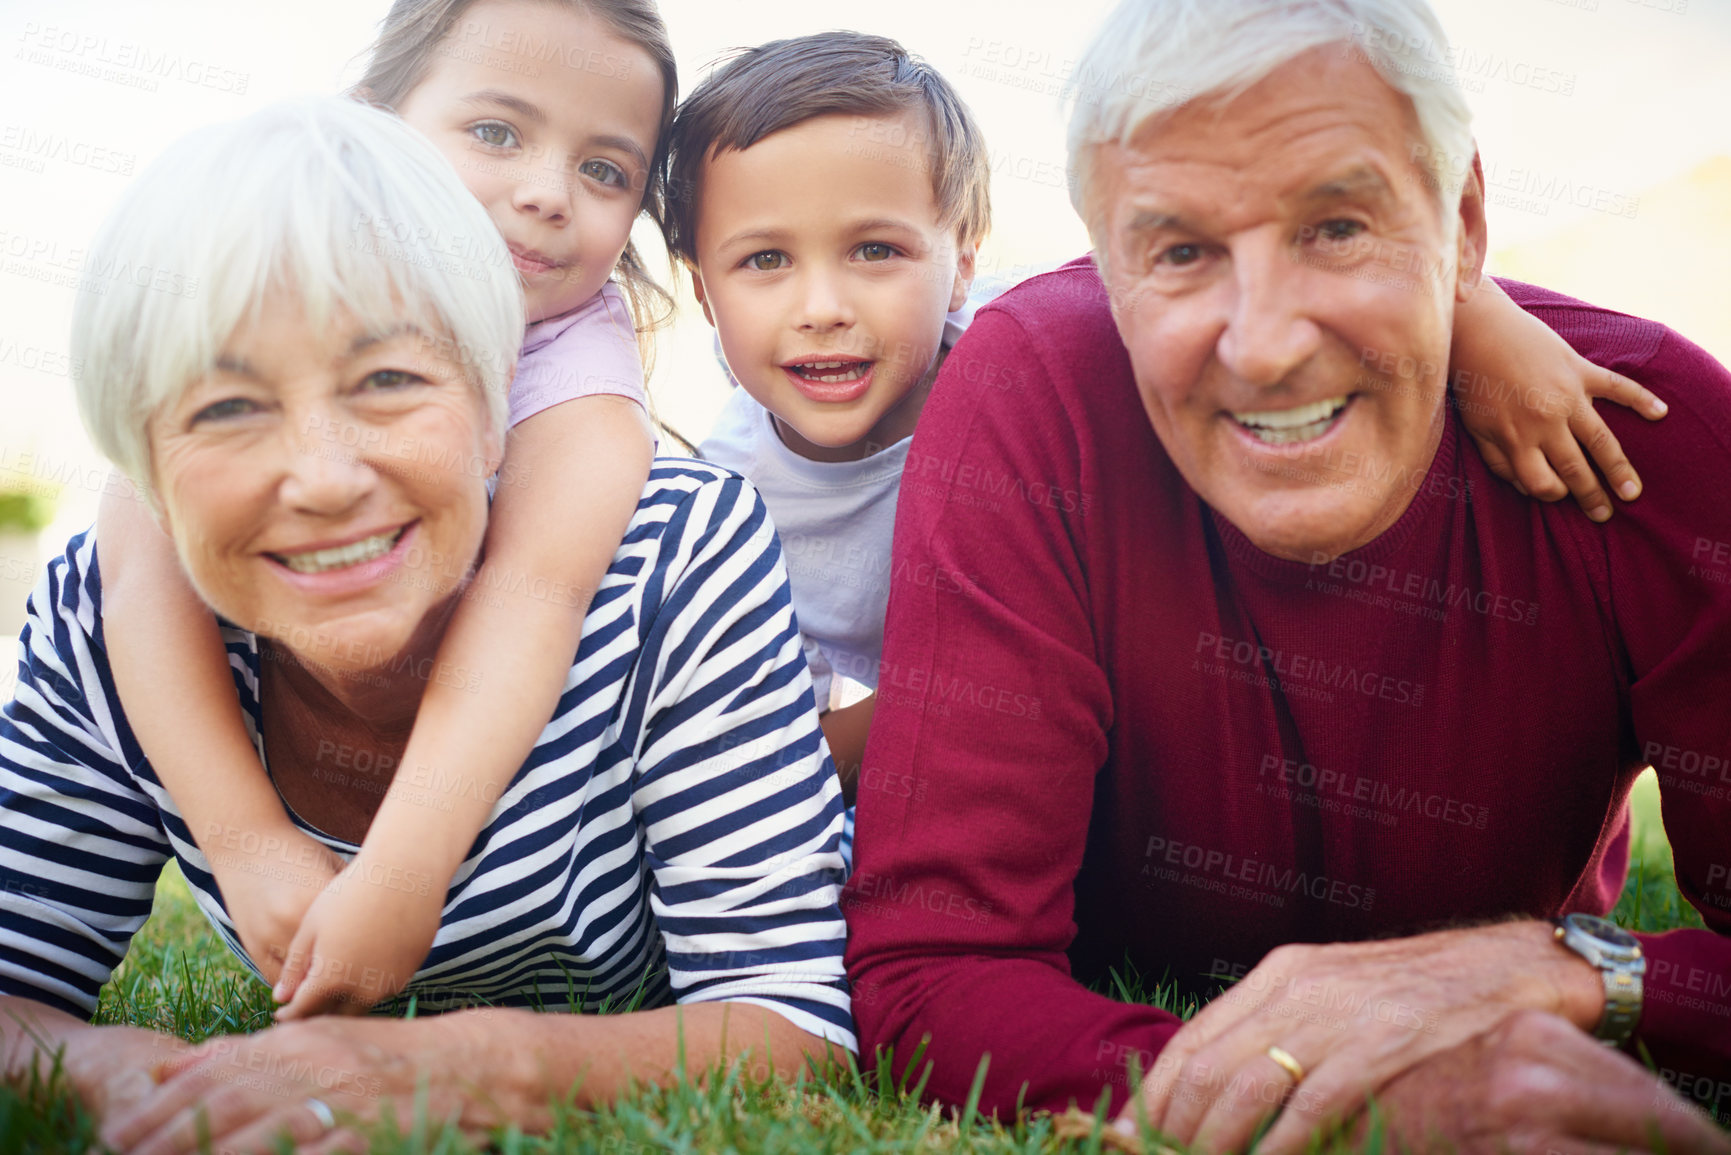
point(179, 977)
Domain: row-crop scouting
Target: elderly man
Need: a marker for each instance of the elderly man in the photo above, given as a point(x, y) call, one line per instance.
point(1254, 671)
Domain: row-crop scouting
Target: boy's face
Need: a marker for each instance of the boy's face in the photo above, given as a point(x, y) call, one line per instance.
point(823, 266)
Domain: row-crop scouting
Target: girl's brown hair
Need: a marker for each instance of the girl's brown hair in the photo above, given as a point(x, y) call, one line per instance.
point(414, 30)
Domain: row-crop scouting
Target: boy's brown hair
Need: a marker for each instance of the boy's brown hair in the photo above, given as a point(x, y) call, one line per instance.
point(784, 83)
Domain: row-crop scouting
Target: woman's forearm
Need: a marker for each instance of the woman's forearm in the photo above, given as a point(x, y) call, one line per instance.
point(532, 1060)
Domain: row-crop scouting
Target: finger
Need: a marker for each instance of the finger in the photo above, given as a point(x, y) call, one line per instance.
point(1535, 477)
point(342, 1140)
point(198, 1126)
point(1570, 464)
point(1255, 1092)
point(179, 1091)
point(1614, 386)
point(1495, 460)
point(1590, 430)
point(295, 966)
point(296, 1122)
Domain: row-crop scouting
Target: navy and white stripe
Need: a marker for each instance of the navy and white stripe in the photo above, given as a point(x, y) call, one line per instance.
point(679, 818)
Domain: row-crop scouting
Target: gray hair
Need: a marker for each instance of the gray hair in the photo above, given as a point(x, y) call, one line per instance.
point(341, 205)
point(1152, 56)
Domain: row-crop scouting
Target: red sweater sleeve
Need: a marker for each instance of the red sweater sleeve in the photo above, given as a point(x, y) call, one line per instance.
point(990, 728)
point(1670, 567)
point(1665, 571)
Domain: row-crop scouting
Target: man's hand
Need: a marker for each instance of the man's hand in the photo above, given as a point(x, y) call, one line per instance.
point(1354, 1016)
point(362, 940)
point(1535, 1083)
point(114, 1069)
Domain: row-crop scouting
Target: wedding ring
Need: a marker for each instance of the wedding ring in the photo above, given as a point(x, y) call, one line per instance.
point(1288, 1064)
point(322, 1112)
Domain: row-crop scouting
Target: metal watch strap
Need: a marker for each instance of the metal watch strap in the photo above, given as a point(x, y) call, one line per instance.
point(1620, 969)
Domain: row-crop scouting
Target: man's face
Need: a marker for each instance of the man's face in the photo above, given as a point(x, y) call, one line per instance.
point(824, 266)
point(1267, 258)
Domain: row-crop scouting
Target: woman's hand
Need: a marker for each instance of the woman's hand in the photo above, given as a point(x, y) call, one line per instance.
point(1353, 1016)
point(241, 1092)
point(269, 878)
point(363, 939)
point(114, 1069)
point(1526, 397)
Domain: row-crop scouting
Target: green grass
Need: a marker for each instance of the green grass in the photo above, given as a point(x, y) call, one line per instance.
point(179, 977)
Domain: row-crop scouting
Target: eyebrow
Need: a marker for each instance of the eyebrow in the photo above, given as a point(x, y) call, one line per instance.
point(1362, 181)
point(240, 367)
point(1150, 221)
point(623, 144)
point(504, 99)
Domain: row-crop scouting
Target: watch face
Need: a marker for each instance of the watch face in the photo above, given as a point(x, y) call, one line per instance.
point(1605, 931)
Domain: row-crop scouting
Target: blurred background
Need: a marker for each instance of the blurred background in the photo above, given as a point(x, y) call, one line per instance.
point(1605, 127)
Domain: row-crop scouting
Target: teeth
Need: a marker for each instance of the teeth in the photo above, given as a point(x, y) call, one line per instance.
point(824, 371)
point(1282, 426)
point(343, 556)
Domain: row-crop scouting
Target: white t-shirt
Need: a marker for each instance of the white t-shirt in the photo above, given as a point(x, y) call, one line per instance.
point(836, 519)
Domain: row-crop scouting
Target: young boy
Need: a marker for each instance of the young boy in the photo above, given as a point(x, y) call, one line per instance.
point(829, 194)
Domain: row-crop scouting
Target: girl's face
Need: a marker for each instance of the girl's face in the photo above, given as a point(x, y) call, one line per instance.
point(551, 121)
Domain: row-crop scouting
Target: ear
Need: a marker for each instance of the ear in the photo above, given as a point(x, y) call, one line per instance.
point(702, 297)
point(966, 258)
point(1474, 239)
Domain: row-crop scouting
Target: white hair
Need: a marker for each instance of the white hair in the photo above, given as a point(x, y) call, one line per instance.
point(341, 205)
point(1152, 56)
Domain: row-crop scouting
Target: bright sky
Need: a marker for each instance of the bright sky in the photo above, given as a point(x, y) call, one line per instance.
point(1628, 93)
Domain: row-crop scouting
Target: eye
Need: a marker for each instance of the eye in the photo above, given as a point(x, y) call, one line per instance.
point(1180, 255)
point(767, 261)
point(494, 133)
point(875, 251)
point(1340, 229)
point(227, 407)
point(389, 379)
point(605, 172)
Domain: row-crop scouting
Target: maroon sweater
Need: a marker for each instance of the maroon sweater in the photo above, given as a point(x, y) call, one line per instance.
point(1080, 756)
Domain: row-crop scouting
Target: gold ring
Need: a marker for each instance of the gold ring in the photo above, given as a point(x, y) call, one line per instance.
point(1288, 1064)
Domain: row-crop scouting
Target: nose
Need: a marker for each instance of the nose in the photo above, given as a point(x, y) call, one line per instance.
point(543, 191)
point(326, 470)
point(1268, 332)
point(825, 303)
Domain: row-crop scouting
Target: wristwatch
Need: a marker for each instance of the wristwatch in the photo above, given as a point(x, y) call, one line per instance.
point(1617, 955)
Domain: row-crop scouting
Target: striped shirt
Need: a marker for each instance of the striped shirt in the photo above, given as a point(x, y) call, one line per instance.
point(673, 835)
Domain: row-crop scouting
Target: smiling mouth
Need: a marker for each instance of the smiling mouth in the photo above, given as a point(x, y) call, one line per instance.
point(343, 556)
point(831, 372)
point(1286, 426)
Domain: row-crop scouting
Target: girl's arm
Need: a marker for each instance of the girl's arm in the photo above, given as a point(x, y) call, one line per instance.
point(572, 477)
point(845, 729)
point(1527, 399)
point(172, 673)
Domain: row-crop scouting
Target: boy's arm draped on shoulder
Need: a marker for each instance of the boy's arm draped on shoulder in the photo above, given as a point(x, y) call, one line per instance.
point(975, 806)
point(172, 674)
point(1526, 398)
point(568, 489)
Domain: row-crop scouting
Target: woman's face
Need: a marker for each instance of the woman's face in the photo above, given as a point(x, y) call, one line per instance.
point(326, 487)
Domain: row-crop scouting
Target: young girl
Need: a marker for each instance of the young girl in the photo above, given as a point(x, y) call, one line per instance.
point(553, 115)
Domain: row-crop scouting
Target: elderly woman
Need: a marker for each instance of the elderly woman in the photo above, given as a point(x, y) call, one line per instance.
point(318, 269)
